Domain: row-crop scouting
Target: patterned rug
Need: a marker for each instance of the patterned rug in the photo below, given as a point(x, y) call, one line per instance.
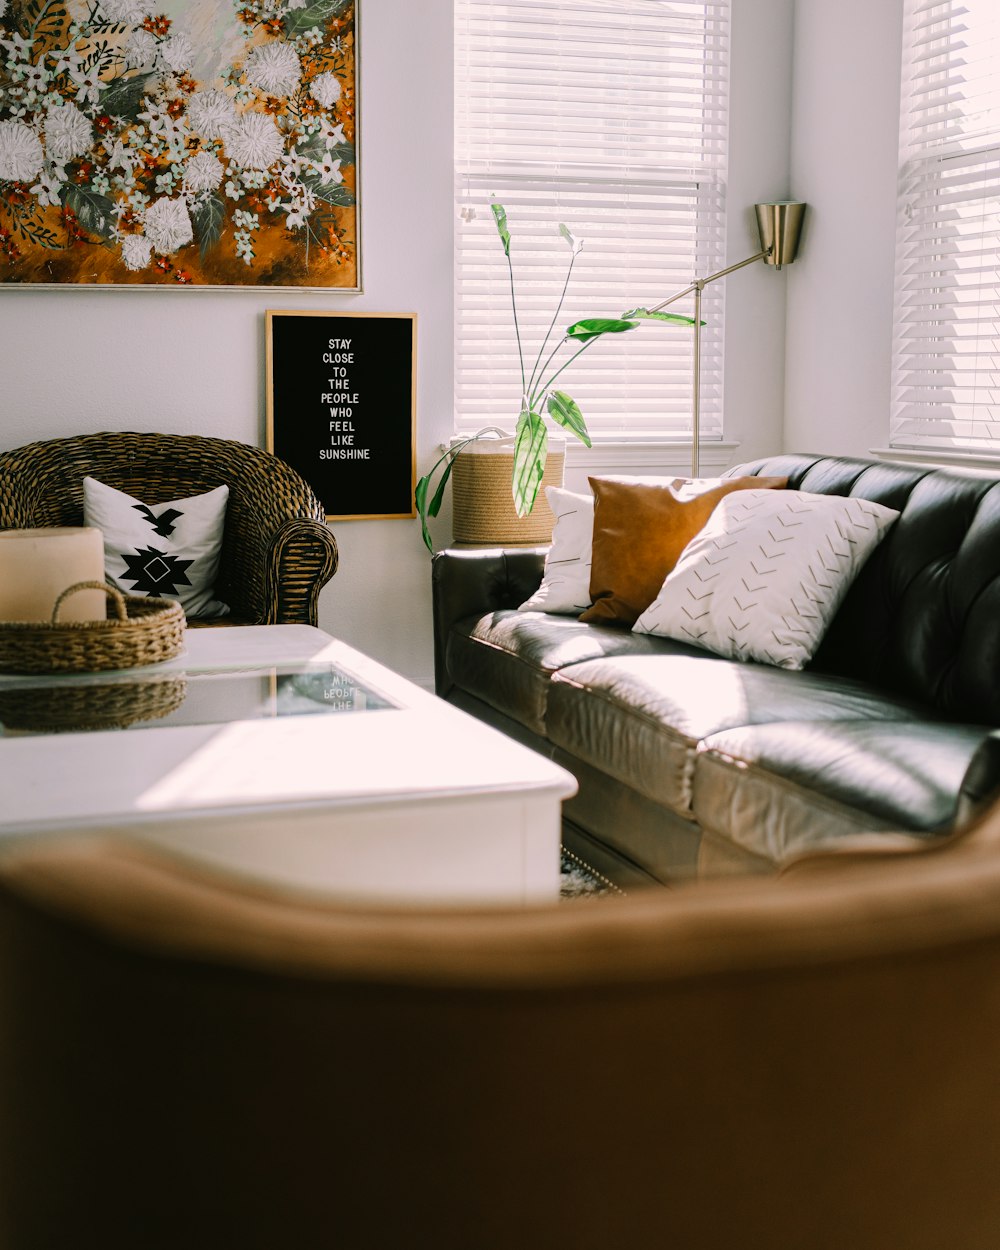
point(579, 881)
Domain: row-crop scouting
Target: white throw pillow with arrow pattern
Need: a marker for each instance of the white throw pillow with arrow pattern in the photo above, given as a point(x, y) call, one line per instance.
point(763, 579)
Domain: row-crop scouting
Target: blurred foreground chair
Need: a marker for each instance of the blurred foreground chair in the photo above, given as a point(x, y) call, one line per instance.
point(190, 1061)
point(277, 552)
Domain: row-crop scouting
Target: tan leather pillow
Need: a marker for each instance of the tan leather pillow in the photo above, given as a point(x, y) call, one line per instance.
point(640, 531)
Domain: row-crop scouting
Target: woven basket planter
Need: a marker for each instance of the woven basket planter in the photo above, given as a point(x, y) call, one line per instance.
point(482, 507)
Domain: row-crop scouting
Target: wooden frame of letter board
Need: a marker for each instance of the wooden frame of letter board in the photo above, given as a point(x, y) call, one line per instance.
point(322, 479)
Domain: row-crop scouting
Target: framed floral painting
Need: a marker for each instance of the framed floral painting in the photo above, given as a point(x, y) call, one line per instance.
point(179, 143)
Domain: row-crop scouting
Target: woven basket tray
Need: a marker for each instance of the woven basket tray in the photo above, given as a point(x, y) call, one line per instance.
point(142, 631)
point(69, 709)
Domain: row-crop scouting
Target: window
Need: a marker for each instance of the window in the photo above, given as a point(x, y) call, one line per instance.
point(946, 352)
point(609, 116)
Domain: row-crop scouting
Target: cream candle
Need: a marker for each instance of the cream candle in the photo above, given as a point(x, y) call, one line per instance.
point(37, 565)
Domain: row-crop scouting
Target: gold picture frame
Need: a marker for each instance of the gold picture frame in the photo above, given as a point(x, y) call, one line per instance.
point(179, 144)
point(341, 407)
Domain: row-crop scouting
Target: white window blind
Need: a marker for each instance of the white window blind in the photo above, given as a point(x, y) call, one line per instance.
point(946, 357)
point(609, 116)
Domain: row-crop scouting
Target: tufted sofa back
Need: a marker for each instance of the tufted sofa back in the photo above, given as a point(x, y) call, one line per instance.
point(923, 617)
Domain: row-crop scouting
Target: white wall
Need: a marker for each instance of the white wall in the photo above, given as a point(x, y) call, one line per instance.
point(844, 145)
point(78, 361)
point(760, 109)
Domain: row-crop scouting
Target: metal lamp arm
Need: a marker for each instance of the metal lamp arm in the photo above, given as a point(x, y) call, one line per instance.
point(703, 282)
point(696, 289)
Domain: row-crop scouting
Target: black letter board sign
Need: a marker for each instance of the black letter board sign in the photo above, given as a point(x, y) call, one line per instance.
point(340, 407)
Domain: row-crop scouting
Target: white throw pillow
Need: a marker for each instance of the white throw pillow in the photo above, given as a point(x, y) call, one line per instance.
point(565, 584)
point(765, 576)
point(170, 550)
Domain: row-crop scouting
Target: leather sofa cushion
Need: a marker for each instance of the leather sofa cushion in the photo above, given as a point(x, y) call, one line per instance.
point(780, 789)
point(507, 658)
point(641, 717)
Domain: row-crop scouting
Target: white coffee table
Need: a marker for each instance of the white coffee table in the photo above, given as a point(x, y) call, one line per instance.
point(293, 758)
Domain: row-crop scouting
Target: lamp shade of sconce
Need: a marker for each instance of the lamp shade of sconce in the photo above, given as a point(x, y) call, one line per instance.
point(779, 225)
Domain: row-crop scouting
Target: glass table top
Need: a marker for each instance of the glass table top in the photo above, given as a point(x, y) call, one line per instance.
point(147, 699)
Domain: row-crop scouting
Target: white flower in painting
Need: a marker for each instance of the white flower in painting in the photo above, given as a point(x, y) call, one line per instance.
point(160, 122)
point(46, 190)
point(19, 48)
point(210, 113)
point(131, 11)
point(35, 78)
point(293, 164)
point(178, 52)
point(202, 172)
point(67, 133)
point(328, 170)
point(300, 207)
point(136, 250)
point(119, 157)
point(331, 135)
point(88, 83)
point(140, 49)
point(168, 225)
point(21, 155)
point(274, 68)
point(255, 141)
point(3, 7)
point(325, 89)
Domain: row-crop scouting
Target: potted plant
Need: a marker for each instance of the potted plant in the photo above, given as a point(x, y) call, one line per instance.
point(537, 390)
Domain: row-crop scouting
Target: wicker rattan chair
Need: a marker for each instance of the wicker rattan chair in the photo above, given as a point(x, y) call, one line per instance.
point(277, 552)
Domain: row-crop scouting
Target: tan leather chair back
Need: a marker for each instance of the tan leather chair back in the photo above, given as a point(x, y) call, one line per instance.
point(185, 1062)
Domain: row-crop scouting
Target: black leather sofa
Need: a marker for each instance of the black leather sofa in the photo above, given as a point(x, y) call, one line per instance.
point(689, 764)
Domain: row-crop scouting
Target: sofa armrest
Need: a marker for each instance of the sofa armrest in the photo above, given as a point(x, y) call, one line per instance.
point(972, 823)
point(981, 781)
point(474, 582)
point(861, 848)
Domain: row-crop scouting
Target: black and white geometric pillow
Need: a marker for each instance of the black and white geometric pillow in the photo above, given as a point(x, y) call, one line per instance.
point(765, 576)
point(169, 550)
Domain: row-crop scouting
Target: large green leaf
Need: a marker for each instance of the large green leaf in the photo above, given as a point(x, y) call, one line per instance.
point(318, 14)
point(425, 509)
point(208, 217)
point(531, 445)
point(93, 211)
point(640, 314)
point(125, 97)
point(344, 152)
point(420, 501)
point(339, 194)
point(594, 327)
point(500, 217)
point(566, 413)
